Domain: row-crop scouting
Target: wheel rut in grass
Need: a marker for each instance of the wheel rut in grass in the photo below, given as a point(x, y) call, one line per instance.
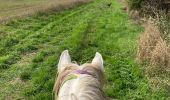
point(52, 42)
point(43, 35)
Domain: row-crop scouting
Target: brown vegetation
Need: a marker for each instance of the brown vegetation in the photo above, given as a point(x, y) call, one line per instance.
point(160, 55)
point(41, 8)
point(154, 44)
point(153, 48)
point(152, 6)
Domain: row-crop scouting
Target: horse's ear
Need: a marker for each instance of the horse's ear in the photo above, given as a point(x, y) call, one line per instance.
point(98, 61)
point(64, 60)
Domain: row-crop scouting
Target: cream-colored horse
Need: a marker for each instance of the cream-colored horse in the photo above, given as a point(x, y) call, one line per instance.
point(76, 82)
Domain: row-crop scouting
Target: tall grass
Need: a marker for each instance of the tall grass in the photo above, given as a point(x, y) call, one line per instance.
point(153, 47)
point(154, 43)
point(154, 54)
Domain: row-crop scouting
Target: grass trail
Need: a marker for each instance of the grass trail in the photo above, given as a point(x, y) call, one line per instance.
point(30, 48)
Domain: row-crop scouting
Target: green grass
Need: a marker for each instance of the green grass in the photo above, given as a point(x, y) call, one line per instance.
point(30, 48)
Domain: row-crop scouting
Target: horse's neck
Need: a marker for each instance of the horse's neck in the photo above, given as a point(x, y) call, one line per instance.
point(84, 87)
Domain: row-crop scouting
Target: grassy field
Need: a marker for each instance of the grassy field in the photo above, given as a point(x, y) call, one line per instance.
point(30, 48)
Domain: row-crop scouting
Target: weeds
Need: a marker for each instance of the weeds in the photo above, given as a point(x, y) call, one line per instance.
point(152, 47)
point(160, 55)
point(163, 21)
point(154, 50)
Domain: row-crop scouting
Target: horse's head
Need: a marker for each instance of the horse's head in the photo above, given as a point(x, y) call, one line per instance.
point(65, 61)
point(88, 77)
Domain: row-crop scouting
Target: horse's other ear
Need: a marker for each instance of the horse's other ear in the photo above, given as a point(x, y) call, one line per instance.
point(64, 60)
point(98, 61)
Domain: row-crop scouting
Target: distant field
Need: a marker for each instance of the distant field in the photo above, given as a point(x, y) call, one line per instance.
point(18, 8)
point(13, 7)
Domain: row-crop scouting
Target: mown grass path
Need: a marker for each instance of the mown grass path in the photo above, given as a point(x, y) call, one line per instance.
point(30, 48)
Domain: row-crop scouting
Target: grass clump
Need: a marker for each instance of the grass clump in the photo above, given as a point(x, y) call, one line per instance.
point(10, 42)
point(25, 75)
point(6, 61)
point(39, 58)
point(27, 48)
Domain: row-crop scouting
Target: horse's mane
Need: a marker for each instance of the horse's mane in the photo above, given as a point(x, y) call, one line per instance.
point(67, 69)
point(90, 88)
